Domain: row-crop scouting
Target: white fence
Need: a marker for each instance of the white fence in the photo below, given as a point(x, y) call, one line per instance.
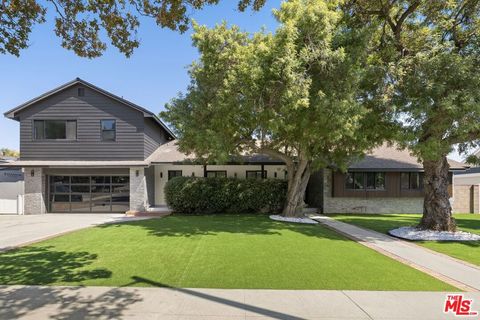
point(12, 206)
point(11, 197)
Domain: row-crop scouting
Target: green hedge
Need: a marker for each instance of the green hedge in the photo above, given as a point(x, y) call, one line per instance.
point(193, 195)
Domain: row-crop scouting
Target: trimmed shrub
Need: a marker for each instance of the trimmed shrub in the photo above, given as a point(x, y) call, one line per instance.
point(193, 195)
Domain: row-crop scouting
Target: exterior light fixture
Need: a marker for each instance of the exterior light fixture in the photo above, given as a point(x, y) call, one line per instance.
point(32, 173)
point(161, 174)
point(137, 173)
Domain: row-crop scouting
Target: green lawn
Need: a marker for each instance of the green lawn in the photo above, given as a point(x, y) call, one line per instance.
point(468, 250)
point(226, 251)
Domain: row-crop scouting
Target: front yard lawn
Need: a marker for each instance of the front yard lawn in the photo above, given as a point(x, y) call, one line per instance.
point(467, 250)
point(226, 251)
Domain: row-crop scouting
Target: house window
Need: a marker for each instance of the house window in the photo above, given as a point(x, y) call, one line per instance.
point(365, 181)
point(174, 173)
point(108, 130)
point(55, 129)
point(216, 174)
point(256, 174)
point(411, 180)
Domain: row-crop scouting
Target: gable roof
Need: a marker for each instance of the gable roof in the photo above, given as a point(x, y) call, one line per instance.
point(169, 153)
point(148, 114)
point(392, 158)
point(385, 157)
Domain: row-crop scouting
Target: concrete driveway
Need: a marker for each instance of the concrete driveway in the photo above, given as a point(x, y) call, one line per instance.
point(18, 230)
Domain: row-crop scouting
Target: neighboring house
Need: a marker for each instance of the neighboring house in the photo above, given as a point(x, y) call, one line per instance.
point(11, 187)
point(467, 186)
point(84, 149)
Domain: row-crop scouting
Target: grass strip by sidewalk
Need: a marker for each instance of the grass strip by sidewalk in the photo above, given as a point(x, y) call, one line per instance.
point(467, 250)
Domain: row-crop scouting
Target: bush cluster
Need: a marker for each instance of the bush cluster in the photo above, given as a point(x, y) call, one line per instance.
point(193, 195)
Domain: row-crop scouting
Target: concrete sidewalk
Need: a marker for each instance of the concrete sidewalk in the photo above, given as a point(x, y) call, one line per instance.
point(32, 302)
point(455, 272)
point(18, 230)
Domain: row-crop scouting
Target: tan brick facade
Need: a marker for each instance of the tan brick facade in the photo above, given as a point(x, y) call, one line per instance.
point(466, 199)
point(364, 205)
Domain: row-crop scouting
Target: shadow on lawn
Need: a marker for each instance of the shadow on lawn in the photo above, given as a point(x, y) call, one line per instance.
point(44, 265)
point(190, 226)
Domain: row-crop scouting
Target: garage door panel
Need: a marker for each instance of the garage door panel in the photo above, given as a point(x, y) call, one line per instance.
point(78, 194)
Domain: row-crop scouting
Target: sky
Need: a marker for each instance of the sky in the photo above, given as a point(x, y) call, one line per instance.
point(151, 77)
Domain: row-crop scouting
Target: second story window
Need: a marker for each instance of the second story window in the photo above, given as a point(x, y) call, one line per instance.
point(108, 128)
point(55, 129)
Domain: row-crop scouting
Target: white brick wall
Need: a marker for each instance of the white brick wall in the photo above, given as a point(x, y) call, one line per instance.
point(138, 190)
point(362, 205)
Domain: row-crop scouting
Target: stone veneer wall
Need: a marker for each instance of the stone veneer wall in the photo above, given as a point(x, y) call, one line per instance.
point(35, 193)
point(466, 199)
point(364, 205)
point(138, 190)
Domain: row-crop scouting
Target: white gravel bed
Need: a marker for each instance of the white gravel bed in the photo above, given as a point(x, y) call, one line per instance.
point(296, 220)
point(412, 233)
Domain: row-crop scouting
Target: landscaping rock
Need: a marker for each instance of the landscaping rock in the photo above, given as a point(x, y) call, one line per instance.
point(295, 220)
point(416, 234)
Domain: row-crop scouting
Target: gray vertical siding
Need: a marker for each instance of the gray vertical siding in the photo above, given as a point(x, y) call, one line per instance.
point(133, 129)
point(154, 137)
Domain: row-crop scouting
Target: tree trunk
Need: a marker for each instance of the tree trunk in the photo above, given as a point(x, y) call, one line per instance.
point(437, 212)
point(298, 176)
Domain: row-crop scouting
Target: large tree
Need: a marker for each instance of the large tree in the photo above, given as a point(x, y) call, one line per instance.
point(432, 57)
point(301, 95)
point(80, 23)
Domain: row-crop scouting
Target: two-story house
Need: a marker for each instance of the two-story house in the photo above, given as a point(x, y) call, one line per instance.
point(83, 149)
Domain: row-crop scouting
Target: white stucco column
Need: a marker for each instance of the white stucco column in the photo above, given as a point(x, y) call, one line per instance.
point(35, 194)
point(138, 190)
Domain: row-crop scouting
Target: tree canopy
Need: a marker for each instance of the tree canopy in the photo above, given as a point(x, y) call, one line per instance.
point(9, 153)
point(81, 24)
point(431, 54)
point(301, 94)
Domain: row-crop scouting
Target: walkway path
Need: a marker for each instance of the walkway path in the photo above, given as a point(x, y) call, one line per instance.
point(18, 230)
point(455, 272)
point(30, 302)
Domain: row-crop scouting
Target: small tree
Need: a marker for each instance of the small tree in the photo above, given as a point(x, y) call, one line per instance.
point(432, 52)
point(80, 23)
point(297, 95)
point(9, 152)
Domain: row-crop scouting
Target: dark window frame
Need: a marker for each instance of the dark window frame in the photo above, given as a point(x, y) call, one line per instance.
point(420, 181)
point(364, 175)
point(216, 173)
point(169, 176)
point(263, 174)
point(44, 134)
point(114, 130)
